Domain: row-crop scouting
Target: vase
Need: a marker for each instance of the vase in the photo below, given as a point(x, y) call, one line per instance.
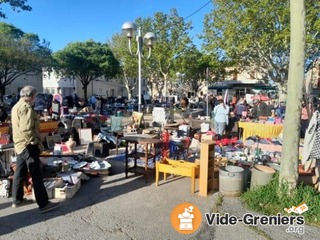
point(71, 145)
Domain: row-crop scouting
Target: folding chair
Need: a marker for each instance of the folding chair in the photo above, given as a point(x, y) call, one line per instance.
point(116, 123)
point(158, 118)
point(115, 129)
point(137, 118)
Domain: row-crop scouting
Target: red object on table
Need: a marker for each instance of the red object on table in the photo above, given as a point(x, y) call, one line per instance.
point(165, 136)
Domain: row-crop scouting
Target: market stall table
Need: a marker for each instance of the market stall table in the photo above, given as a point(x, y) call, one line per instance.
point(48, 126)
point(149, 153)
point(197, 123)
point(172, 126)
point(263, 130)
point(93, 117)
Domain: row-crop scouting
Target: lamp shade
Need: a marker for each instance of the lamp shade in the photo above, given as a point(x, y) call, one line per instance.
point(150, 38)
point(129, 29)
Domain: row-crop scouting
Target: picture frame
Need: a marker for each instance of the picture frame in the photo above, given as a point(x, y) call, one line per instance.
point(85, 135)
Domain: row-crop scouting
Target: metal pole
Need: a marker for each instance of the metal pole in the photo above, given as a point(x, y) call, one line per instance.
point(207, 78)
point(139, 40)
point(165, 91)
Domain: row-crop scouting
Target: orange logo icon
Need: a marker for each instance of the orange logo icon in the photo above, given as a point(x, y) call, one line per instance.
point(186, 218)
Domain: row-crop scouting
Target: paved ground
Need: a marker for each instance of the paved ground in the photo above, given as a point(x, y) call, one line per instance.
point(114, 207)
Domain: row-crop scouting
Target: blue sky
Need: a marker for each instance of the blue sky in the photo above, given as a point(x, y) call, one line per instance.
point(63, 21)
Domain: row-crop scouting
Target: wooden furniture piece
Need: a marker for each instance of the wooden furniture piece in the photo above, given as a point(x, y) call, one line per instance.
point(49, 126)
point(208, 180)
point(118, 134)
point(150, 146)
point(177, 167)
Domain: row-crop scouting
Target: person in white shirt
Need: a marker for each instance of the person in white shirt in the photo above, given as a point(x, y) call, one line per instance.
point(221, 117)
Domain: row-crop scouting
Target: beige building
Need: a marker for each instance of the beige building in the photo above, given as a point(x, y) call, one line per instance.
point(53, 83)
point(30, 79)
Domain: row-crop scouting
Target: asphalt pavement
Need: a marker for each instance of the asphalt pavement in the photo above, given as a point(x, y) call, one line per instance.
point(115, 207)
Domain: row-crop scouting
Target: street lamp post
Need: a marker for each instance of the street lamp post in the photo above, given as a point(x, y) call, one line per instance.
point(130, 29)
point(207, 80)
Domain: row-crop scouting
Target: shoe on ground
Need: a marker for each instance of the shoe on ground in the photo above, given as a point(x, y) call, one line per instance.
point(50, 206)
point(20, 203)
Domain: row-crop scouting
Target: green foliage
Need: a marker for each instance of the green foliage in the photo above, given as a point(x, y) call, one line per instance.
point(173, 39)
point(16, 5)
point(256, 34)
point(21, 53)
point(268, 200)
point(128, 63)
point(86, 61)
point(172, 42)
point(193, 65)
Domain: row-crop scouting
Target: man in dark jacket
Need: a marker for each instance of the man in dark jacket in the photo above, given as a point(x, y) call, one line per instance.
point(260, 109)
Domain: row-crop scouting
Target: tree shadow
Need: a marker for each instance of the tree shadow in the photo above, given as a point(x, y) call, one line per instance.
point(93, 191)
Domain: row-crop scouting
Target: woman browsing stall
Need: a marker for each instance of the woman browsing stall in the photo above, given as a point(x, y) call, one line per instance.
point(221, 117)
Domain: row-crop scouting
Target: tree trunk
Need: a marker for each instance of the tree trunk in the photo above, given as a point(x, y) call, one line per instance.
point(290, 150)
point(2, 92)
point(85, 92)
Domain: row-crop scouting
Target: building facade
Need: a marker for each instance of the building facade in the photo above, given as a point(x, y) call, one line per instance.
point(53, 83)
point(34, 80)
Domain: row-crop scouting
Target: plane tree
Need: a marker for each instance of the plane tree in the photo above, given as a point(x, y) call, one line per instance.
point(193, 64)
point(16, 5)
point(173, 39)
point(256, 35)
point(21, 54)
point(290, 151)
point(128, 72)
point(278, 39)
point(85, 62)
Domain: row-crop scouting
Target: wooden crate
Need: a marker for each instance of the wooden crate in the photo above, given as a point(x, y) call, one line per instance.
point(49, 187)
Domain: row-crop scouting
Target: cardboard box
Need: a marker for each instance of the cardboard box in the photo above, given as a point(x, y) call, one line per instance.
point(50, 184)
point(67, 191)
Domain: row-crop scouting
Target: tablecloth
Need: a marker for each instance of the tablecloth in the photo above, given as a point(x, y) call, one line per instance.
point(263, 130)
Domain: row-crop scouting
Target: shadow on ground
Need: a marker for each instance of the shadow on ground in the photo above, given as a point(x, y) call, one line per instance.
point(95, 190)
